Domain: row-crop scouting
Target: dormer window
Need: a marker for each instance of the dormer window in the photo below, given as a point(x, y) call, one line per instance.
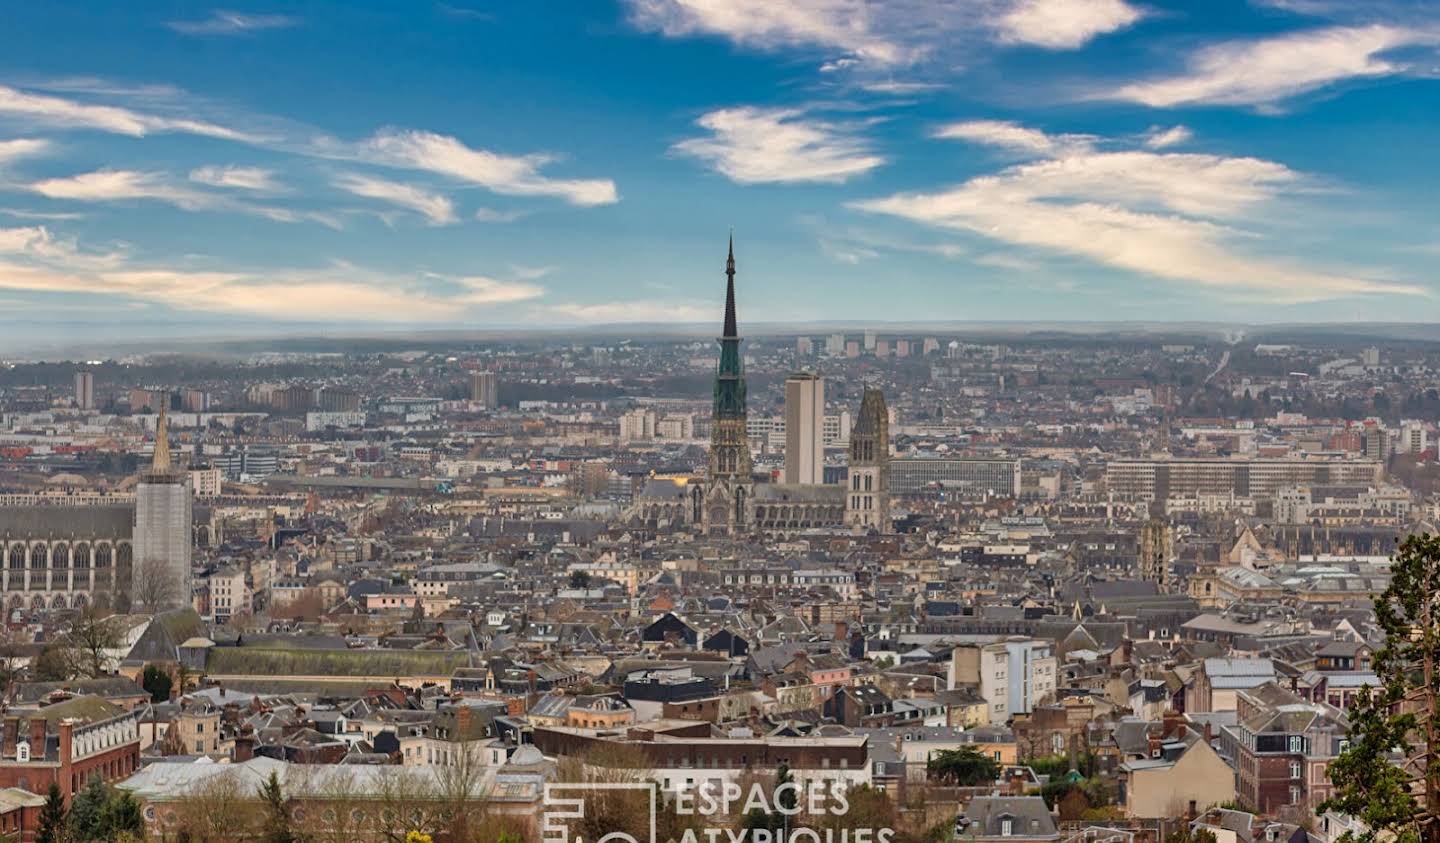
point(22, 753)
point(1007, 827)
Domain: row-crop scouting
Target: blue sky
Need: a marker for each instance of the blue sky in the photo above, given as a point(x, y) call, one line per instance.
point(385, 165)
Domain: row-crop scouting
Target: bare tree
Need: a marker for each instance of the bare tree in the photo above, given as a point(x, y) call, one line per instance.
point(219, 807)
point(154, 587)
point(87, 645)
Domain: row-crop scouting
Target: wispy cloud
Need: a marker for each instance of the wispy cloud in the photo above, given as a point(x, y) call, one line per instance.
point(754, 145)
point(492, 215)
point(121, 185)
point(1159, 138)
point(1269, 70)
point(438, 209)
point(256, 179)
point(846, 25)
point(51, 111)
point(631, 311)
point(1063, 24)
point(222, 22)
point(868, 36)
point(1173, 216)
point(33, 260)
point(1012, 136)
point(10, 150)
point(398, 148)
point(132, 185)
point(511, 175)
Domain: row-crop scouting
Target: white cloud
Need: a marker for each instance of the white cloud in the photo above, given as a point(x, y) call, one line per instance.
point(1273, 69)
point(34, 260)
point(512, 175)
point(1158, 138)
point(129, 185)
point(754, 145)
point(1009, 135)
point(256, 179)
point(865, 38)
point(42, 109)
point(631, 311)
point(121, 185)
point(439, 210)
point(11, 150)
point(492, 215)
point(1063, 24)
point(222, 22)
point(846, 25)
point(515, 175)
point(1171, 216)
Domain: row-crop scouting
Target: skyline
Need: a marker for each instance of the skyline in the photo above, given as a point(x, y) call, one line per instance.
point(375, 167)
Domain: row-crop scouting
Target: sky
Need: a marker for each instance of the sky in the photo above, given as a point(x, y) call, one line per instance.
point(392, 165)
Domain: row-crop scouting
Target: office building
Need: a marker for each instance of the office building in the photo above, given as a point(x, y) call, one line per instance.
point(960, 478)
point(804, 428)
point(85, 390)
point(485, 389)
point(1241, 478)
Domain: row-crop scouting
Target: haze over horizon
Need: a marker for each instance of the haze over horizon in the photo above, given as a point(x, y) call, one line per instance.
point(358, 168)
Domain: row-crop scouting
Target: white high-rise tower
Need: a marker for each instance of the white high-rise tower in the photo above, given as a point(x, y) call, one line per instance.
point(805, 429)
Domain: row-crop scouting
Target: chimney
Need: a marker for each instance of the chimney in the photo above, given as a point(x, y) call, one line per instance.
point(12, 735)
point(462, 721)
point(1208, 736)
point(37, 738)
point(245, 744)
point(66, 738)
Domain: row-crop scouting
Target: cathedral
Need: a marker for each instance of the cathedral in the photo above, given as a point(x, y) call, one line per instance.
point(55, 556)
point(728, 501)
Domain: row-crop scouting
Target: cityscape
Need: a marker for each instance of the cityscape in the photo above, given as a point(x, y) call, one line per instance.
point(772, 484)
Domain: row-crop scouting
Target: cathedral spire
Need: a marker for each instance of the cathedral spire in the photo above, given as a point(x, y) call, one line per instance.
point(161, 463)
point(731, 331)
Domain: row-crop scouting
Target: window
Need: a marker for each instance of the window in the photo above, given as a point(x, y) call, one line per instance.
point(1297, 743)
point(1294, 769)
point(1294, 795)
point(1007, 826)
point(199, 747)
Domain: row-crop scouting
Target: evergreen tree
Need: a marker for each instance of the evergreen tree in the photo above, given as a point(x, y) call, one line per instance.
point(53, 819)
point(85, 810)
point(1389, 777)
point(277, 828)
point(158, 683)
point(120, 817)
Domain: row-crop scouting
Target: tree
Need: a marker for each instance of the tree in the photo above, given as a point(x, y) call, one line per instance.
point(120, 817)
point(157, 682)
point(53, 819)
point(1389, 778)
point(87, 646)
point(965, 767)
point(85, 809)
point(276, 828)
point(154, 588)
point(53, 663)
point(579, 579)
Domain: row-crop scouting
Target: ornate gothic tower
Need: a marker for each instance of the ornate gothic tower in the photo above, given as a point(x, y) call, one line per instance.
point(726, 506)
point(1157, 548)
point(867, 502)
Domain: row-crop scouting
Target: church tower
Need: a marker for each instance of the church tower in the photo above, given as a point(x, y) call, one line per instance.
point(163, 534)
point(726, 504)
point(1157, 548)
point(867, 501)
